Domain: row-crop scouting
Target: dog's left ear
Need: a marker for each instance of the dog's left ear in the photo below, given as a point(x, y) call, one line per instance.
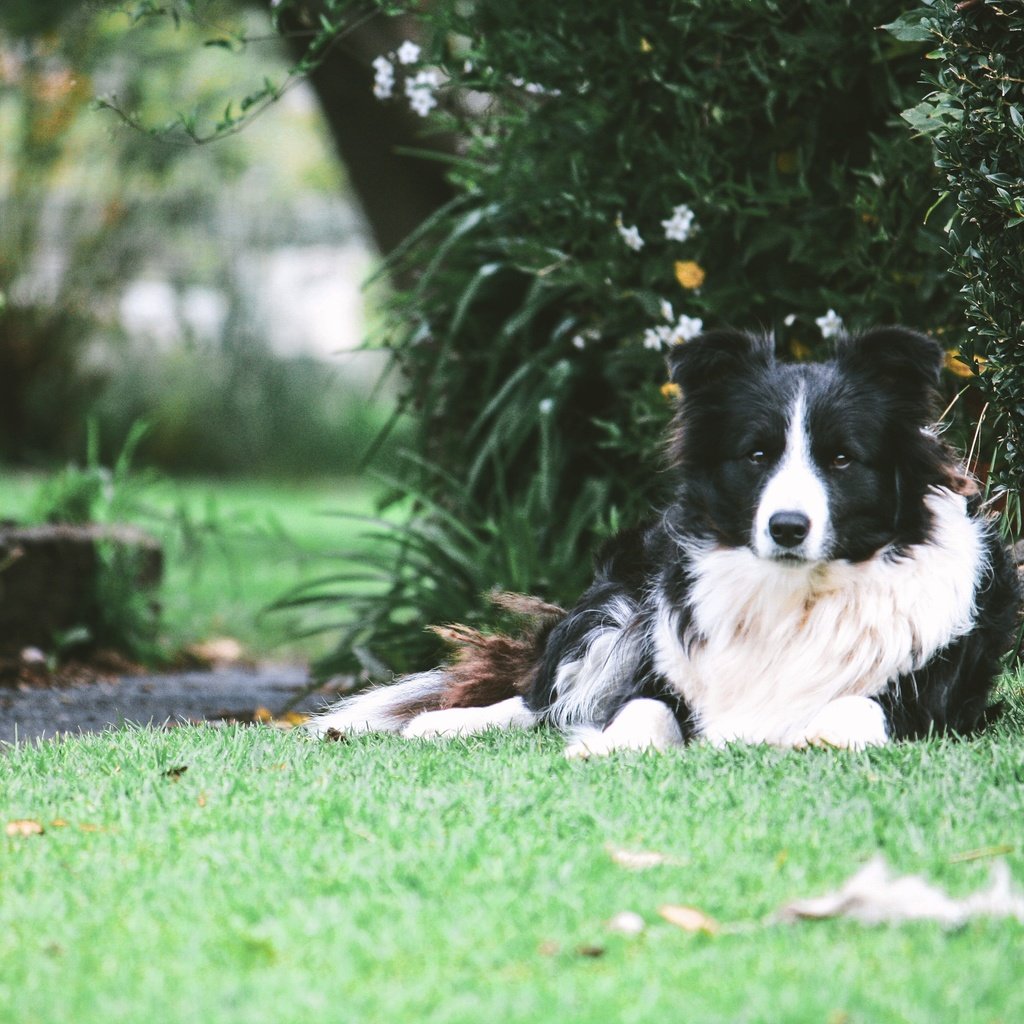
point(905, 362)
point(714, 357)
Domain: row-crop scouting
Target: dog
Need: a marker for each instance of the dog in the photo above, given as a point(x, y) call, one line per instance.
point(824, 575)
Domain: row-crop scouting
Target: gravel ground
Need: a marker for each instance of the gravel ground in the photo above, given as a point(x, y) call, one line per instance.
point(31, 713)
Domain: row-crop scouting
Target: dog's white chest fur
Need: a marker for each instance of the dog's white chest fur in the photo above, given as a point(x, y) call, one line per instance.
point(770, 645)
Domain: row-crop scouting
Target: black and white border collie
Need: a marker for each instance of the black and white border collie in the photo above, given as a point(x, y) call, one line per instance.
point(823, 575)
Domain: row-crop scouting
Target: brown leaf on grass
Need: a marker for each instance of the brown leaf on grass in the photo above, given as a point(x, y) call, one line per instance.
point(58, 823)
point(590, 950)
point(873, 895)
point(638, 860)
point(24, 827)
point(690, 919)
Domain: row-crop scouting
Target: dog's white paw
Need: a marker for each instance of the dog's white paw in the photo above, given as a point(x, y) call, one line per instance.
point(589, 743)
point(642, 724)
point(851, 723)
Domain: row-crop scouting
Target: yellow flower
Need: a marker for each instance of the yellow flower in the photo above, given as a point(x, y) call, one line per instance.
point(670, 390)
point(689, 274)
point(960, 368)
point(645, 47)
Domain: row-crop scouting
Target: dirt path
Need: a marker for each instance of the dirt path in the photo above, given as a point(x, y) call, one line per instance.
point(42, 712)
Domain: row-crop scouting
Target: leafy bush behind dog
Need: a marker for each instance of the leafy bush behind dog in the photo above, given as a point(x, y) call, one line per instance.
point(763, 137)
point(975, 118)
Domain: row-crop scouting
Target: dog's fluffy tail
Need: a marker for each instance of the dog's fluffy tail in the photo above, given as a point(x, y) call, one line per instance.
point(485, 669)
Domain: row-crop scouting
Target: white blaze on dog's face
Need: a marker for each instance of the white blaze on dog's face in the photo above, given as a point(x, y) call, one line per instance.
point(792, 521)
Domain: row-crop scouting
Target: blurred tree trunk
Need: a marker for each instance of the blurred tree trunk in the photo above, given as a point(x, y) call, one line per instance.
point(397, 190)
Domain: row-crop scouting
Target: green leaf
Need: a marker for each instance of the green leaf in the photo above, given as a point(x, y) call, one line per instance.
point(910, 28)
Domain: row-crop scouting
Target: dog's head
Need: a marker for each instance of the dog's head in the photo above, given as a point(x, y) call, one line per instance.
point(805, 463)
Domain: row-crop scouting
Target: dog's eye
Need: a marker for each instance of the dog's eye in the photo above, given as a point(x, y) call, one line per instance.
point(840, 460)
point(757, 456)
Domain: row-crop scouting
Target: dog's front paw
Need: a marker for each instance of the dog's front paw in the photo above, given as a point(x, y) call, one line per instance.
point(589, 743)
point(850, 723)
point(642, 724)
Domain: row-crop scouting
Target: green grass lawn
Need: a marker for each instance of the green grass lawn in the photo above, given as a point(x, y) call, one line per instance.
point(246, 874)
point(232, 548)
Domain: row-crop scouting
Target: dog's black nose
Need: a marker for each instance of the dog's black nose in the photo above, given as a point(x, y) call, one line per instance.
point(789, 529)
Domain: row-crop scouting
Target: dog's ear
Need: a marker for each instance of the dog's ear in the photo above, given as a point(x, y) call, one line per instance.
point(906, 363)
point(714, 357)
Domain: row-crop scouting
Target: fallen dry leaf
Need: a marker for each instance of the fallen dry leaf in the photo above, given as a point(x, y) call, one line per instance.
point(637, 860)
point(873, 895)
point(985, 851)
point(58, 823)
point(589, 950)
point(24, 827)
point(690, 919)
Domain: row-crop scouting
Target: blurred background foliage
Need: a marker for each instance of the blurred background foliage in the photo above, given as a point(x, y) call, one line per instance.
point(205, 290)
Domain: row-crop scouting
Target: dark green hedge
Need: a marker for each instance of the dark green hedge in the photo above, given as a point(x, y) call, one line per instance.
point(975, 118)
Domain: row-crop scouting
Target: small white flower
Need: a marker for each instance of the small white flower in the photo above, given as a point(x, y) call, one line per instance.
point(686, 328)
point(428, 77)
point(830, 324)
point(578, 341)
point(666, 310)
point(652, 338)
point(680, 225)
point(408, 52)
point(545, 406)
point(790, 320)
point(383, 78)
point(422, 101)
point(631, 235)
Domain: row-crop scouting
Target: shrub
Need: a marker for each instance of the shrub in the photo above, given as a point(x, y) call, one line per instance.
point(740, 162)
point(975, 118)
